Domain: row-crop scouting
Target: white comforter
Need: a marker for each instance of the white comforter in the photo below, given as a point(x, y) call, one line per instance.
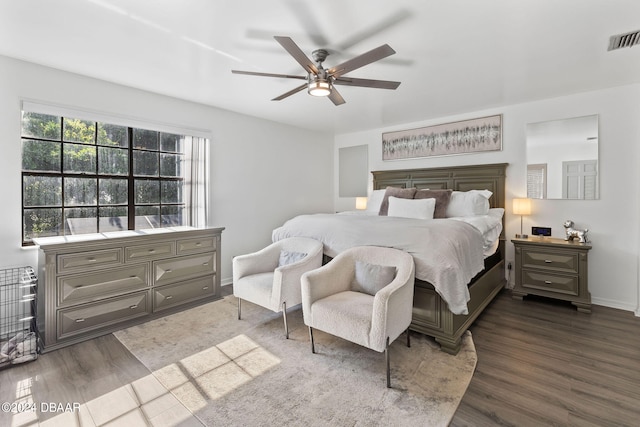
point(448, 253)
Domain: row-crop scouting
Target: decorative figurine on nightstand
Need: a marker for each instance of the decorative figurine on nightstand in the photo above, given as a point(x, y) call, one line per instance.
point(573, 233)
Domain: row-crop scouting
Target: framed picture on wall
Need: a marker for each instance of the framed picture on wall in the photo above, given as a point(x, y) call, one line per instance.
point(463, 137)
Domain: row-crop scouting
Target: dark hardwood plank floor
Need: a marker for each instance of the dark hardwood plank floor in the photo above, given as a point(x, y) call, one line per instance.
point(540, 362)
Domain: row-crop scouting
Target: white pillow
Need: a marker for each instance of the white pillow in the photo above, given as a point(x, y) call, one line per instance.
point(411, 208)
point(468, 203)
point(375, 200)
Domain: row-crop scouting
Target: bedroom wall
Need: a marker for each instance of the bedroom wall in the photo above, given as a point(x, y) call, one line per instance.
point(262, 172)
point(612, 220)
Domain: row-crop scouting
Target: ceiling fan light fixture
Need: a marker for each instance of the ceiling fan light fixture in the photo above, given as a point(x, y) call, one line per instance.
point(319, 87)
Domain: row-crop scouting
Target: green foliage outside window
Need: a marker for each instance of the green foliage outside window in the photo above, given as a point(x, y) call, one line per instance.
point(77, 177)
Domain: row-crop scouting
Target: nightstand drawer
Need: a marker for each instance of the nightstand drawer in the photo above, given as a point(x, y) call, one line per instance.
point(556, 283)
point(561, 261)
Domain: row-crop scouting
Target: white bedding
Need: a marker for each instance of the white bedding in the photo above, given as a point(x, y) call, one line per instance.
point(448, 253)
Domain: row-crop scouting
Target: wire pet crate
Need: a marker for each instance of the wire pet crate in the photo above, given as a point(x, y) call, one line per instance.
point(18, 327)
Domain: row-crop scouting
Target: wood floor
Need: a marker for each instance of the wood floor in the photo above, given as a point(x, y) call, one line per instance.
point(540, 362)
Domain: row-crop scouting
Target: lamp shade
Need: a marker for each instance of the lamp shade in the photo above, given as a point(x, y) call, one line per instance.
point(522, 206)
point(361, 203)
point(319, 87)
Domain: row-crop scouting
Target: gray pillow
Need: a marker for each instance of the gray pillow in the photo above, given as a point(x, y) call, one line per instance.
point(442, 200)
point(370, 278)
point(287, 257)
point(402, 193)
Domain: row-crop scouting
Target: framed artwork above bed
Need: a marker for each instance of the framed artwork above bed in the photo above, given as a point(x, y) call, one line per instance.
point(463, 137)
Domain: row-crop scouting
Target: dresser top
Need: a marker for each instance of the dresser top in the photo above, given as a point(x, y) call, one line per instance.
point(123, 237)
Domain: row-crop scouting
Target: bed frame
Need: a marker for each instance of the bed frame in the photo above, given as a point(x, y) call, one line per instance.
point(431, 315)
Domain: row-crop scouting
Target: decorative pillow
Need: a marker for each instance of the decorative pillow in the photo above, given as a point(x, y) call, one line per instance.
point(370, 278)
point(442, 200)
point(469, 203)
point(374, 201)
point(402, 193)
point(287, 257)
point(411, 208)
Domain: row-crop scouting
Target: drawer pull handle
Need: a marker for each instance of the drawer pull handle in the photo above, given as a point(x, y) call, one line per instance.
point(168, 270)
point(205, 263)
point(548, 282)
point(134, 306)
point(80, 320)
point(152, 251)
point(169, 297)
point(205, 288)
point(133, 276)
point(548, 261)
point(91, 259)
point(199, 244)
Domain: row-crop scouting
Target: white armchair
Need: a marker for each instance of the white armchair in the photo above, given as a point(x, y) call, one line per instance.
point(271, 277)
point(364, 295)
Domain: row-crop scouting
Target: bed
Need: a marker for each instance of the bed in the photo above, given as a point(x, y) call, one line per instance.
point(476, 278)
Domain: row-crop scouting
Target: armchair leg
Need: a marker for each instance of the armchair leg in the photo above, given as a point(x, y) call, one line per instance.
point(284, 316)
point(386, 357)
point(408, 337)
point(313, 348)
point(239, 307)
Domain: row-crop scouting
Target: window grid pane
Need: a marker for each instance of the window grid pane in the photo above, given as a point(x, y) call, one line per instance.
point(82, 185)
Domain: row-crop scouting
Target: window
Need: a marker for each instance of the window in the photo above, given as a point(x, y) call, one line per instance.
point(537, 181)
point(82, 176)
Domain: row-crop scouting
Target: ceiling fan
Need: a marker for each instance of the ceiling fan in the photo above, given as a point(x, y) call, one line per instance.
point(321, 81)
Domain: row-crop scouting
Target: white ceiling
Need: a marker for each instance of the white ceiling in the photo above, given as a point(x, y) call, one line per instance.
point(452, 57)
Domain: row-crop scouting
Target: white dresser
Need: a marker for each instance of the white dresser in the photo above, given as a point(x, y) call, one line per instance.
point(92, 285)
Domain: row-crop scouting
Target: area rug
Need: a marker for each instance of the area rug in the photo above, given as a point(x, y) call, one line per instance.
point(231, 372)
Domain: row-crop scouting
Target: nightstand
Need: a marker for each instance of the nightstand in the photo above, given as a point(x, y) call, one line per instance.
point(553, 268)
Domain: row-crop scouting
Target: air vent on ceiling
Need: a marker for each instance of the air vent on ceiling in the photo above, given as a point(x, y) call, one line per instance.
point(624, 40)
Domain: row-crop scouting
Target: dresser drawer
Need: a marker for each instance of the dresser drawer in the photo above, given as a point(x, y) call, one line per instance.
point(556, 260)
point(200, 244)
point(536, 279)
point(181, 293)
point(88, 317)
point(89, 259)
point(144, 252)
point(187, 267)
point(80, 288)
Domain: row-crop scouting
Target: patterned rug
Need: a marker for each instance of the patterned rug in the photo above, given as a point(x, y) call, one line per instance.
point(244, 372)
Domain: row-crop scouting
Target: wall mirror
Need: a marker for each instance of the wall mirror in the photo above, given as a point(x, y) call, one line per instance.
point(562, 159)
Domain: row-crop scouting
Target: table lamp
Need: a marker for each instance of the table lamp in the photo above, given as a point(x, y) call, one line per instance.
point(521, 207)
point(361, 203)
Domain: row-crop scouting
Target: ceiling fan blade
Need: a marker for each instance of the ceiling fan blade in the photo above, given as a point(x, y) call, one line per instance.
point(290, 46)
point(335, 97)
point(291, 92)
point(361, 60)
point(377, 84)
point(284, 76)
